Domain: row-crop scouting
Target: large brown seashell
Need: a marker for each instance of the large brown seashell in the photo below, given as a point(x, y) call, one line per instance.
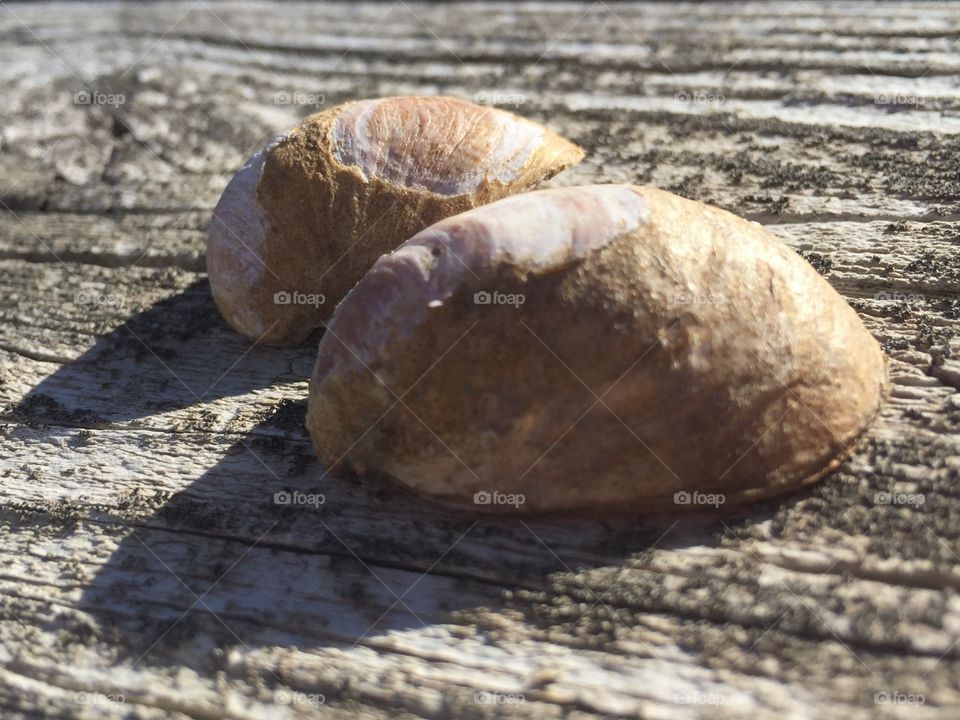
point(594, 349)
point(309, 214)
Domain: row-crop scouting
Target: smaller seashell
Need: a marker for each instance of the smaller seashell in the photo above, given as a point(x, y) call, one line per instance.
point(310, 213)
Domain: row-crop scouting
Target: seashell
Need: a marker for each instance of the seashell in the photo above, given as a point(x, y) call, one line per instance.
point(594, 349)
point(309, 214)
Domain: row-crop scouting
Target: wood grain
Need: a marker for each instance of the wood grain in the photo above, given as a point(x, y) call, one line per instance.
point(148, 571)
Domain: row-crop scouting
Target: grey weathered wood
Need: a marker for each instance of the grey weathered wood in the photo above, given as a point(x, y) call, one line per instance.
point(141, 442)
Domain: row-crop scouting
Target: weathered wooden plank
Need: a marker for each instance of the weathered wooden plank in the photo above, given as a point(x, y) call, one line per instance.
point(142, 443)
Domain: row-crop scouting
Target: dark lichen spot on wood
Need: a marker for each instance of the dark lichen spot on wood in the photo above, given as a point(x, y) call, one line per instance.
point(901, 312)
point(83, 438)
point(892, 345)
point(775, 206)
point(289, 416)
point(916, 416)
point(942, 267)
point(689, 186)
point(930, 335)
point(821, 263)
point(39, 409)
point(784, 176)
point(202, 421)
point(950, 308)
